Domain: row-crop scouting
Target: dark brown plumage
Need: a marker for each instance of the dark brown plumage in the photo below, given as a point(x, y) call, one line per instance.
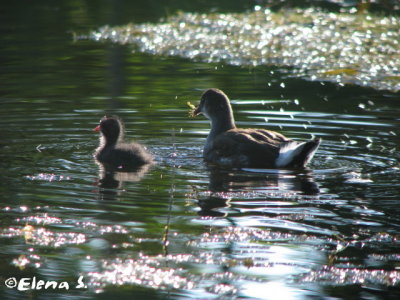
point(252, 148)
point(113, 152)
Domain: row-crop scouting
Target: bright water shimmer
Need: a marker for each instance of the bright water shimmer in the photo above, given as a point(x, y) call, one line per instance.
point(346, 48)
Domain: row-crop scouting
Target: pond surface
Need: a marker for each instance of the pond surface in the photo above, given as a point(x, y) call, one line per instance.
point(182, 229)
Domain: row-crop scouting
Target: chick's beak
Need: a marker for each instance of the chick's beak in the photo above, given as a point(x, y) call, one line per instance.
point(97, 128)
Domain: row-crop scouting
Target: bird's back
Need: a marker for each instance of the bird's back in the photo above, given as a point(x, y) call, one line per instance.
point(246, 148)
point(124, 156)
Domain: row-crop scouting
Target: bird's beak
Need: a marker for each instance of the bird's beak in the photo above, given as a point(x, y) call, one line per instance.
point(197, 111)
point(97, 128)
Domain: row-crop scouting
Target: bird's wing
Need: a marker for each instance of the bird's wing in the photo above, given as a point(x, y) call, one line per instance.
point(258, 147)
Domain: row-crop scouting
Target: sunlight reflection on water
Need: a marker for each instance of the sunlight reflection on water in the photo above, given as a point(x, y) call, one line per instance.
point(347, 48)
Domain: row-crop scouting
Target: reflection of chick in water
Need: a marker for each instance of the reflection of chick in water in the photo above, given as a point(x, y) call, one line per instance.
point(222, 182)
point(111, 179)
point(118, 161)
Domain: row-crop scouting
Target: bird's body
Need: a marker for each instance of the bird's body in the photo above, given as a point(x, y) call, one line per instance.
point(230, 146)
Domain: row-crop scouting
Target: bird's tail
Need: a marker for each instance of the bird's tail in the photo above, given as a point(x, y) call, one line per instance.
point(295, 155)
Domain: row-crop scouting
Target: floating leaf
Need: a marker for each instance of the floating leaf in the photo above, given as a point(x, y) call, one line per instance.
point(21, 262)
point(191, 106)
point(394, 78)
point(248, 262)
point(363, 7)
point(28, 232)
point(192, 109)
point(346, 71)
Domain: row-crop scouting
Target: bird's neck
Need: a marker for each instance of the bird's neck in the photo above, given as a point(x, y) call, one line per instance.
point(109, 141)
point(218, 125)
point(222, 123)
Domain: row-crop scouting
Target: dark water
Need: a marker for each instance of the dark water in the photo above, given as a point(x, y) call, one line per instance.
point(181, 229)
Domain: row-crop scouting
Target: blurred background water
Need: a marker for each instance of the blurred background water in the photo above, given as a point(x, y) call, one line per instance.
point(181, 229)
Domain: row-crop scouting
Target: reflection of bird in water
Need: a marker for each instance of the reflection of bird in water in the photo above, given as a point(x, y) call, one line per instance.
point(285, 180)
point(118, 161)
point(230, 146)
point(113, 152)
point(225, 183)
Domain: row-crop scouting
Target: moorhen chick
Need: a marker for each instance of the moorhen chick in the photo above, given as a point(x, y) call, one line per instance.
point(113, 152)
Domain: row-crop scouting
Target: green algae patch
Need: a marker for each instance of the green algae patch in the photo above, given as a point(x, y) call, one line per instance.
point(347, 48)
